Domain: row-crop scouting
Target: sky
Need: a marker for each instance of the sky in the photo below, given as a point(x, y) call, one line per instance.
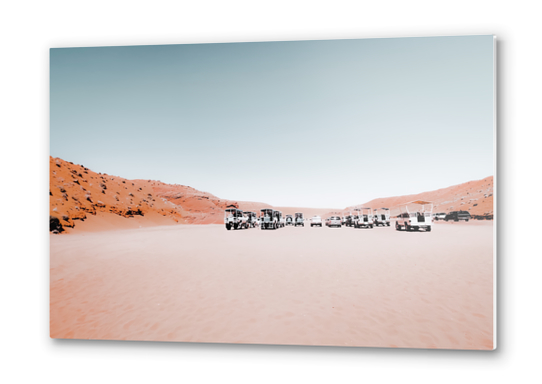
point(324, 124)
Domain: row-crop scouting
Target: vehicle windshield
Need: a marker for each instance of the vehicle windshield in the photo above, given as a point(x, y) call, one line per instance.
point(233, 213)
point(266, 212)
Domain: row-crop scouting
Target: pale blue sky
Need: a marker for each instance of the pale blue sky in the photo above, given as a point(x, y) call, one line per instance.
point(309, 123)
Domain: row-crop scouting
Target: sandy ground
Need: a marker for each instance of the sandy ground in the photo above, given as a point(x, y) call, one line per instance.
point(312, 286)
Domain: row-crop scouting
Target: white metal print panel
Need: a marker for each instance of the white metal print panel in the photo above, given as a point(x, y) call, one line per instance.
point(336, 192)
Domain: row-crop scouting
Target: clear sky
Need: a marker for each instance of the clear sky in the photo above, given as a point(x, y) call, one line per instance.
point(307, 123)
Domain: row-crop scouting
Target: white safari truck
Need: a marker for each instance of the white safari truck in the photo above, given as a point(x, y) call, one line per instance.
point(235, 219)
point(289, 220)
point(282, 220)
point(354, 217)
point(382, 217)
point(414, 216)
point(299, 219)
point(364, 218)
point(269, 219)
point(252, 220)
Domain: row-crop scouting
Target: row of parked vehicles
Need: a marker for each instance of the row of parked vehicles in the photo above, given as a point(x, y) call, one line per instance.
point(235, 218)
point(413, 216)
point(358, 218)
point(269, 218)
point(365, 218)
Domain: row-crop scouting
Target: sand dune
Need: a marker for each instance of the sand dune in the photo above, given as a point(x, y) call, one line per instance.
point(312, 286)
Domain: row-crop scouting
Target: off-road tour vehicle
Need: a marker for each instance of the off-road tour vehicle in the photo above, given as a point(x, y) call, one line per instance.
point(364, 218)
point(414, 216)
point(382, 217)
point(354, 217)
point(234, 219)
point(299, 219)
point(282, 219)
point(289, 220)
point(252, 220)
point(269, 219)
point(439, 216)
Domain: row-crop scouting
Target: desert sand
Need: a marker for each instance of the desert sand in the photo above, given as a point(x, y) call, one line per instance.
point(312, 286)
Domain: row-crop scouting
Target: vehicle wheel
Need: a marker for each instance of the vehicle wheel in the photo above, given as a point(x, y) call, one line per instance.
point(228, 227)
point(397, 227)
point(371, 226)
point(235, 226)
point(467, 220)
point(456, 220)
point(407, 228)
point(388, 224)
point(428, 229)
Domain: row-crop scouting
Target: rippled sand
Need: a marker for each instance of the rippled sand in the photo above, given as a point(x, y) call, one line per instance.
point(312, 286)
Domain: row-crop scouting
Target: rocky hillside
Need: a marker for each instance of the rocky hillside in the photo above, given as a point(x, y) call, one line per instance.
point(76, 192)
point(475, 197)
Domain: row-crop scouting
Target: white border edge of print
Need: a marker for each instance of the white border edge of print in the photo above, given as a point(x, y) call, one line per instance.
point(495, 188)
point(263, 40)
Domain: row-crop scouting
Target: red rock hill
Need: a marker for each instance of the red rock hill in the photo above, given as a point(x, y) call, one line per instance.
point(475, 197)
point(77, 192)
